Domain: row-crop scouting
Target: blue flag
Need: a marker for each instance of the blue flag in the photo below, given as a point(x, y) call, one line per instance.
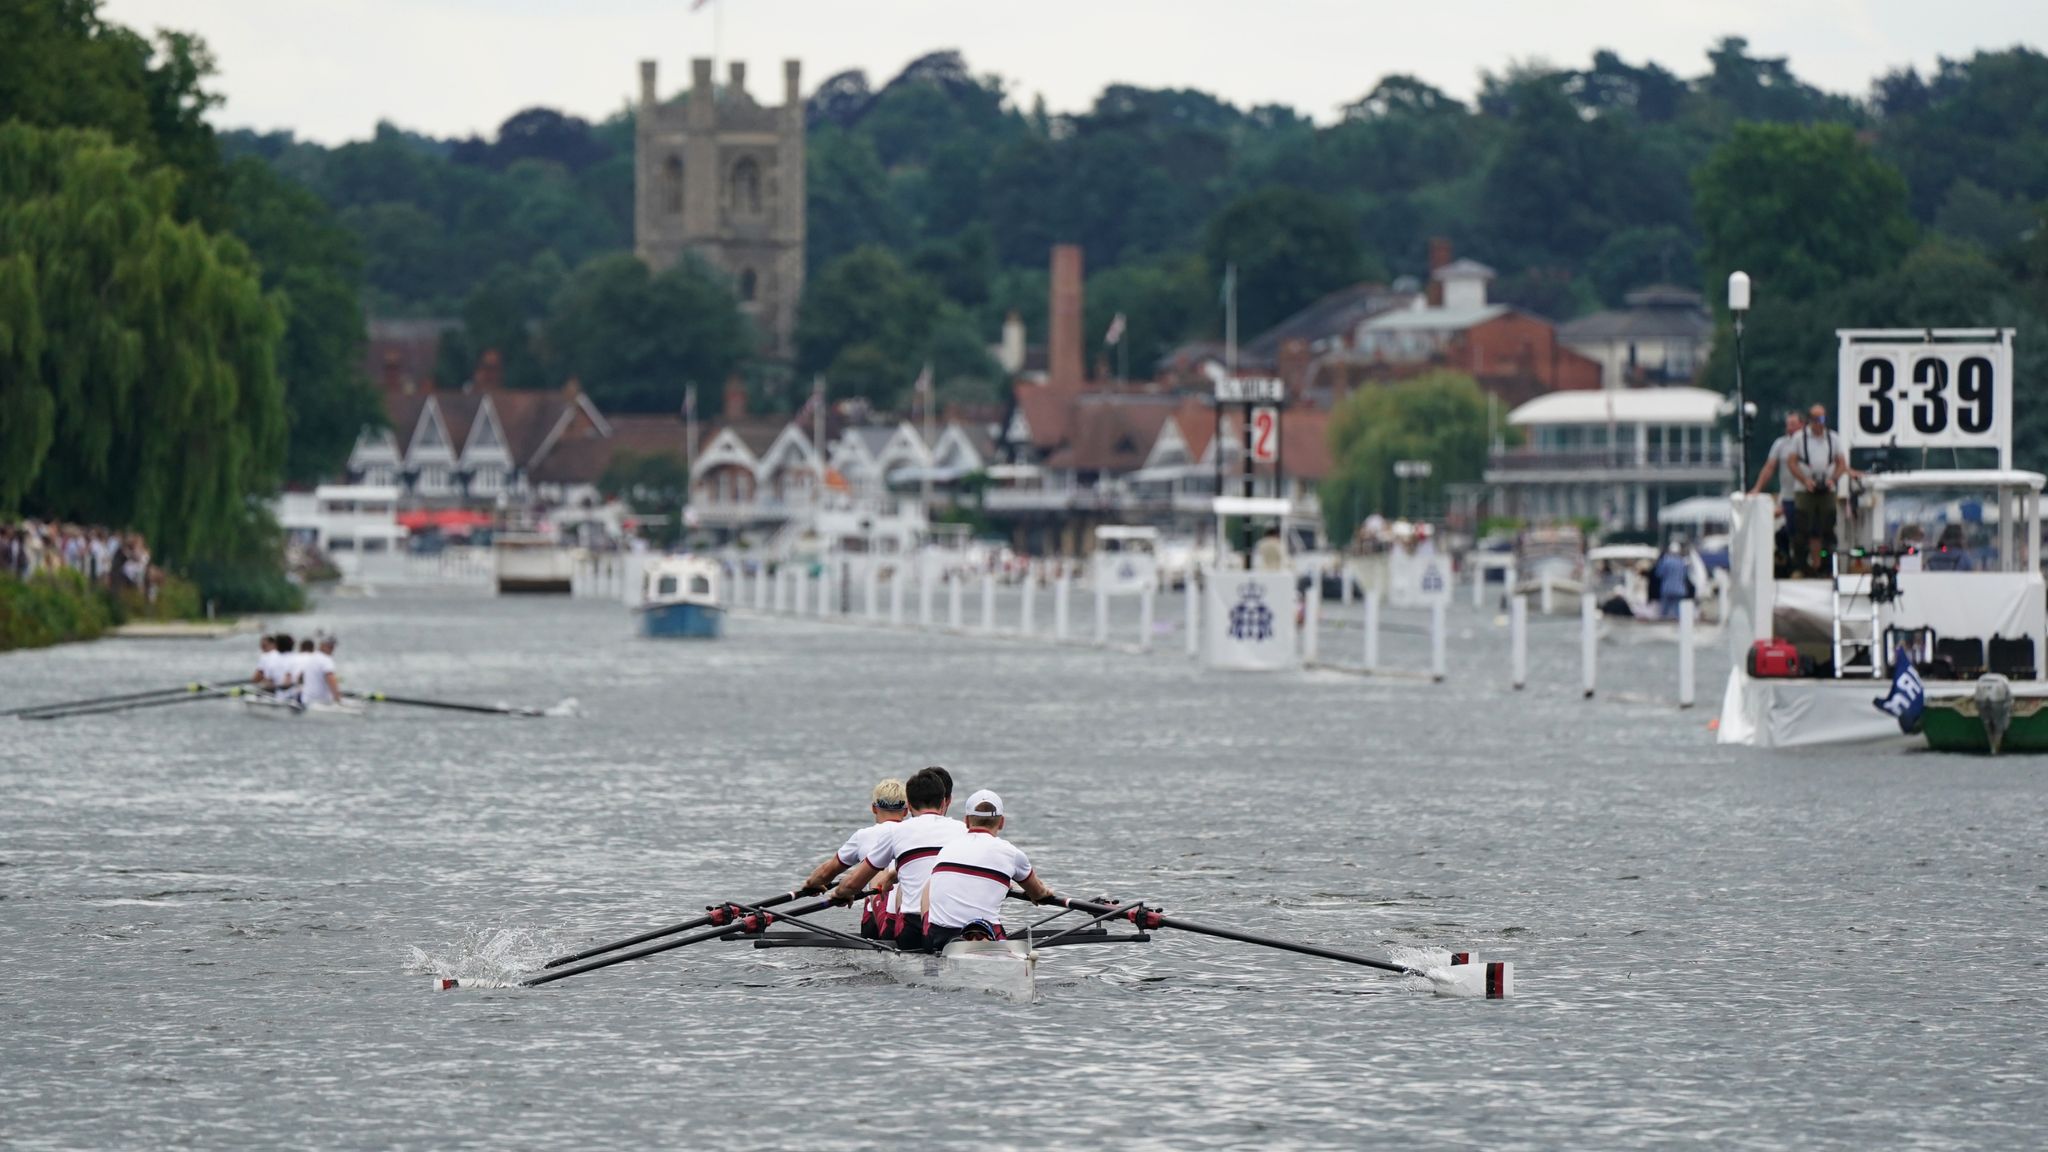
point(1908, 697)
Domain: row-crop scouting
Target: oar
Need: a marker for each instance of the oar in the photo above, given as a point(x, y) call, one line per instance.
point(1494, 981)
point(121, 699)
point(753, 922)
point(830, 933)
point(447, 705)
point(717, 914)
point(201, 692)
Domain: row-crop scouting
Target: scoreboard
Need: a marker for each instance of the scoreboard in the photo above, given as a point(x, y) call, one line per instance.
point(1926, 388)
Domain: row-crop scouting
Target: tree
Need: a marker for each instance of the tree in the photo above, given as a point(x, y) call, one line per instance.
point(1164, 304)
point(654, 484)
point(138, 353)
point(1290, 248)
point(1803, 210)
point(850, 204)
point(636, 340)
point(1439, 417)
point(866, 322)
point(315, 270)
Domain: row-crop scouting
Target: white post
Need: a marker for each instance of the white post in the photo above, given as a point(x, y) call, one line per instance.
point(924, 592)
point(761, 585)
point(799, 588)
point(1312, 622)
point(1547, 602)
point(1478, 581)
point(1030, 599)
point(1372, 629)
point(781, 591)
point(953, 601)
point(1518, 641)
point(824, 600)
point(1589, 623)
point(1438, 609)
point(988, 602)
point(871, 584)
point(1060, 612)
point(1191, 608)
point(1345, 582)
point(1101, 610)
point(1686, 612)
point(1145, 619)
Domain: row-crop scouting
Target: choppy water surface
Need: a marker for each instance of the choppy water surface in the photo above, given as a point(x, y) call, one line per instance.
point(207, 922)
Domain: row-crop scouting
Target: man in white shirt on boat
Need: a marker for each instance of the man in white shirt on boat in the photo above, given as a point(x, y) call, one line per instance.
point(971, 878)
point(269, 667)
point(889, 807)
point(911, 847)
point(318, 683)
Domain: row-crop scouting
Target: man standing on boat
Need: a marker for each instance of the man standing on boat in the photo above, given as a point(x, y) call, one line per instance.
point(1778, 463)
point(971, 878)
point(911, 847)
point(1818, 463)
point(889, 807)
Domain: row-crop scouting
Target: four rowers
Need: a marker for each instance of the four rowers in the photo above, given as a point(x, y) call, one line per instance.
point(950, 878)
point(305, 676)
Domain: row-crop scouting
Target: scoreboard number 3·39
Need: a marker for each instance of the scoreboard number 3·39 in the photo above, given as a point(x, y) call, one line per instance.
point(1927, 389)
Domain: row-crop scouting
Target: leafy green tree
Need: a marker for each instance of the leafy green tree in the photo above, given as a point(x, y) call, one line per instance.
point(1439, 417)
point(313, 267)
point(850, 202)
point(1803, 210)
point(1289, 247)
point(138, 354)
point(1983, 120)
point(1164, 304)
point(866, 323)
point(636, 340)
point(1637, 257)
point(505, 312)
point(652, 484)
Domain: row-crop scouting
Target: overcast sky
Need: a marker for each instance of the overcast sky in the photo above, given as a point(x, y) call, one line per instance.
point(330, 69)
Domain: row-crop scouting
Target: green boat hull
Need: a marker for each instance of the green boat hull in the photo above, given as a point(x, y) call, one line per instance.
point(1953, 726)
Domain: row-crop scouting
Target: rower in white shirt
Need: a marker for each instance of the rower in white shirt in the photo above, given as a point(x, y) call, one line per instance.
point(911, 847)
point(318, 681)
point(265, 676)
point(971, 877)
point(889, 808)
point(284, 667)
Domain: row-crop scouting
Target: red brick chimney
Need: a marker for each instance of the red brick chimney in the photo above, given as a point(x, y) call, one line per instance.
point(490, 371)
point(735, 399)
point(391, 376)
point(1440, 254)
point(1066, 362)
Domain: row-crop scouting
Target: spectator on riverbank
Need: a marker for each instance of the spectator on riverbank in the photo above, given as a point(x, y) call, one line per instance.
point(109, 559)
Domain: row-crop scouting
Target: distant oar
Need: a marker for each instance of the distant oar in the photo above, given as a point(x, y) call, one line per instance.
point(67, 705)
point(199, 692)
point(451, 705)
point(717, 914)
point(1494, 981)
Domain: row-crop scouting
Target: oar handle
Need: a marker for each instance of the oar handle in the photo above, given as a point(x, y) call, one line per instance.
point(1145, 917)
point(716, 914)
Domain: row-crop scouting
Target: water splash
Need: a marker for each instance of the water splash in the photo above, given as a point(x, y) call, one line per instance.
point(494, 957)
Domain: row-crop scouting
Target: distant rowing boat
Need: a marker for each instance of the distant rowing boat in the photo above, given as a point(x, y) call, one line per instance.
point(271, 708)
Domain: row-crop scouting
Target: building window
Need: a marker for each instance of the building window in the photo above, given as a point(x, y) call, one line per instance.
point(750, 286)
point(746, 186)
point(672, 185)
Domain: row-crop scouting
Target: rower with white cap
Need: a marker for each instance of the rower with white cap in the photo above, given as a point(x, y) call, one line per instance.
point(971, 878)
point(889, 807)
point(910, 847)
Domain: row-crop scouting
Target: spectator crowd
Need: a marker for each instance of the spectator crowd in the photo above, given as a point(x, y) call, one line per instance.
point(118, 561)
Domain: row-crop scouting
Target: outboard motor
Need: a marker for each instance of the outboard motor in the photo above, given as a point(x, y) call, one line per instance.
point(1994, 708)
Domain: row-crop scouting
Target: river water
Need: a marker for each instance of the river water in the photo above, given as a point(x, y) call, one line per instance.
point(216, 931)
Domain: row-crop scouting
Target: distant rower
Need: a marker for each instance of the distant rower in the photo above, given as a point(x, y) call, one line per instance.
point(911, 847)
point(889, 806)
point(318, 683)
point(971, 878)
point(266, 673)
point(285, 662)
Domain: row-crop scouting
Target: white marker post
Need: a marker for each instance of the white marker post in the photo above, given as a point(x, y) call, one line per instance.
point(823, 603)
point(1518, 641)
point(924, 592)
point(761, 579)
point(988, 602)
point(1101, 611)
point(1030, 599)
point(1191, 609)
point(896, 581)
point(781, 591)
point(1685, 622)
point(1060, 612)
point(1312, 622)
point(1547, 602)
point(1145, 619)
point(872, 584)
point(1437, 639)
point(1372, 630)
point(1589, 642)
point(953, 615)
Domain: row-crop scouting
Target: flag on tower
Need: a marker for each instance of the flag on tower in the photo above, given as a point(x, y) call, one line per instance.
point(1115, 335)
point(923, 387)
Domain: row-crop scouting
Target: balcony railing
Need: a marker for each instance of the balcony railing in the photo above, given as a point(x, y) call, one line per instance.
point(1607, 459)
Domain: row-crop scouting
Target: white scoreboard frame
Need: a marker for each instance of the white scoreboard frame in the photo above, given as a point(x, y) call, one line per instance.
point(1904, 388)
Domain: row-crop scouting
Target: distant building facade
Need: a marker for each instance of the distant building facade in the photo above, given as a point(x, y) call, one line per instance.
point(1663, 336)
point(719, 176)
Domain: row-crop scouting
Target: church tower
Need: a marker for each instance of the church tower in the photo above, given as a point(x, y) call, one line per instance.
point(719, 176)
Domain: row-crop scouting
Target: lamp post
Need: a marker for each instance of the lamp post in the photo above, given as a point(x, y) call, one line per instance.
point(1738, 306)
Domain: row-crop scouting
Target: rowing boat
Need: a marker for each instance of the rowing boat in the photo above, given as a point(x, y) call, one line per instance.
point(273, 708)
point(1005, 968)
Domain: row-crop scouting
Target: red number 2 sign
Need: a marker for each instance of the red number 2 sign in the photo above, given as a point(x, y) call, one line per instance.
point(1265, 435)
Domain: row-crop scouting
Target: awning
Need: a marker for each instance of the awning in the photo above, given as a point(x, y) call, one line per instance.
point(444, 519)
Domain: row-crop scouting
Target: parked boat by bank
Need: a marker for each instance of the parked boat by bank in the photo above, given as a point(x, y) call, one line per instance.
point(681, 596)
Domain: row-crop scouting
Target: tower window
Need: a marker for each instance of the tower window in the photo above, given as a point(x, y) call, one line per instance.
point(672, 185)
point(750, 286)
point(746, 186)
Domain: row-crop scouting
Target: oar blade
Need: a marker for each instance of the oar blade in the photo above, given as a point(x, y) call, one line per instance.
point(1474, 980)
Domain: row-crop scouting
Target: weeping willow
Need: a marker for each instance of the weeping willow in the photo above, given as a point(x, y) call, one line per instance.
point(138, 382)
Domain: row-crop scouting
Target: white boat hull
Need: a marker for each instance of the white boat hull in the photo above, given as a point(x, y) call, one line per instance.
point(271, 708)
point(1006, 968)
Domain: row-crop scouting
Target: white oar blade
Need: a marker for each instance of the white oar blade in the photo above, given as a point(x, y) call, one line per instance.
point(1494, 980)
